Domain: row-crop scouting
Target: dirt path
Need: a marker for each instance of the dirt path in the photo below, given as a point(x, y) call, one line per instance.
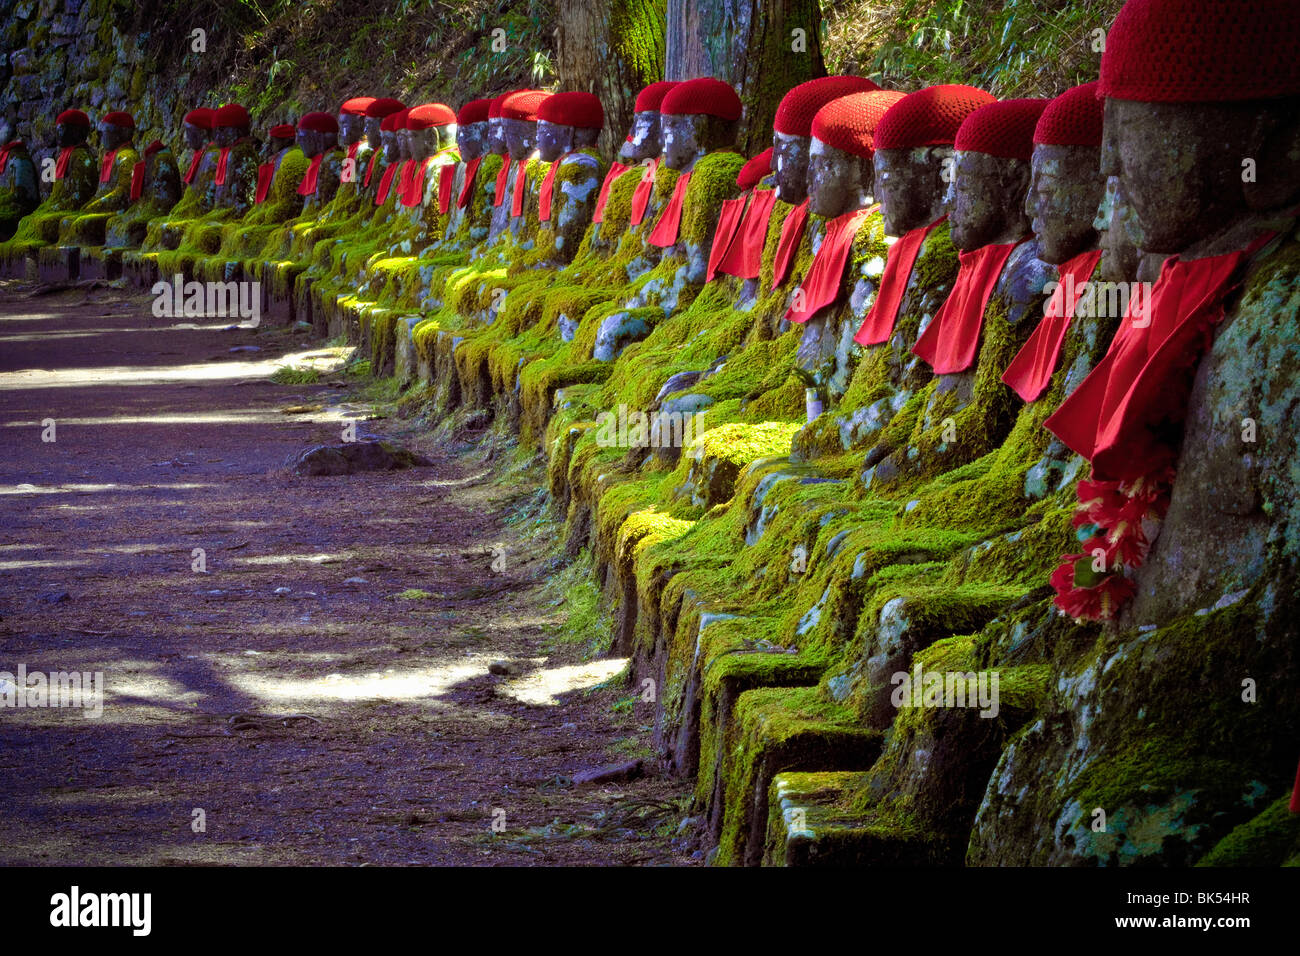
point(166, 441)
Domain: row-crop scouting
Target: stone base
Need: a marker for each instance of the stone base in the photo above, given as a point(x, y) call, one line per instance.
point(58, 265)
point(100, 263)
point(19, 265)
point(813, 821)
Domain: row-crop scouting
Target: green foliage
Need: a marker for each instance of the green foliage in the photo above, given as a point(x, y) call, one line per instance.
point(288, 375)
point(1008, 47)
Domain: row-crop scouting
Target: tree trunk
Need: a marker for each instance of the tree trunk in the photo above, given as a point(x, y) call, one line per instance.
point(761, 47)
point(613, 50)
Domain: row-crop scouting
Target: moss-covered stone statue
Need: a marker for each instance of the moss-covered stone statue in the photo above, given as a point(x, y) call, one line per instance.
point(995, 302)
point(156, 187)
point(19, 192)
point(1198, 392)
point(833, 297)
point(75, 178)
point(234, 181)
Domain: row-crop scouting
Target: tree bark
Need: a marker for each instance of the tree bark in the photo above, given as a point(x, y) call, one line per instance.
point(753, 45)
point(611, 49)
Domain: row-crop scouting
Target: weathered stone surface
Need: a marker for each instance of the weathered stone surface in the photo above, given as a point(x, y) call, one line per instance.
point(350, 457)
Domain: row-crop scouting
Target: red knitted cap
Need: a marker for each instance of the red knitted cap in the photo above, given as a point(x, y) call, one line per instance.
point(72, 118)
point(283, 131)
point(705, 96)
point(849, 123)
point(582, 110)
point(494, 110)
point(119, 118)
point(319, 122)
point(1004, 129)
point(1072, 119)
point(1202, 51)
point(752, 173)
point(794, 116)
point(232, 114)
point(394, 121)
point(652, 96)
point(929, 117)
point(384, 106)
point(427, 115)
point(475, 111)
point(356, 106)
point(200, 116)
point(523, 104)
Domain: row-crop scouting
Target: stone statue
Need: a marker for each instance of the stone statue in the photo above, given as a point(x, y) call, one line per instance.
point(234, 182)
point(568, 125)
point(840, 186)
point(517, 125)
point(792, 130)
point(318, 139)
point(19, 192)
point(996, 298)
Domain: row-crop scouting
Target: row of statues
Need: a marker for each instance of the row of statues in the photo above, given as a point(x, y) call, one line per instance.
point(993, 302)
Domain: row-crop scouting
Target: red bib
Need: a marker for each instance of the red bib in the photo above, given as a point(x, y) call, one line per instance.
point(61, 167)
point(4, 153)
point(1145, 376)
point(665, 231)
point(446, 179)
point(467, 187)
point(1032, 368)
point(499, 194)
point(615, 171)
point(194, 167)
point(223, 154)
point(308, 185)
point(414, 194)
point(729, 217)
point(548, 188)
point(821, 286)
point(370, 167)
point(952, 338)
point(1295, 793)
point(352, 150)
point(106, 167)
point(744, 257)
point(265, 173)
point(521, 181)
point(137, 180)
point(385, 184)
point(644, 189)
point(791, 235)
point(404, 180)
point(878, 326)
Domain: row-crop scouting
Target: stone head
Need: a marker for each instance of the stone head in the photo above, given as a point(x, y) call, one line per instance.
point(1202, 119)
point(472, 139)
point(1065, 191)
point(520, 136)
point(838, 181)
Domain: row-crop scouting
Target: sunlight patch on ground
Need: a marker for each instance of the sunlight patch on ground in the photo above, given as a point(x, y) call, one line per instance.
point(542, 688)
point(223, 370)
point(29, 489)
point(291, 558)
point(391, 684)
